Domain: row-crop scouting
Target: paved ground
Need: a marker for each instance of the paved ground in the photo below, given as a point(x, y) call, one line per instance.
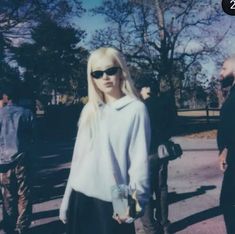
point(194, 185)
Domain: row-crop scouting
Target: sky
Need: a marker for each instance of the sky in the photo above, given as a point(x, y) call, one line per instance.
point(90, 23)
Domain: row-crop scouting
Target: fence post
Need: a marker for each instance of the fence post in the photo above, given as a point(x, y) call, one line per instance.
point(207, 115)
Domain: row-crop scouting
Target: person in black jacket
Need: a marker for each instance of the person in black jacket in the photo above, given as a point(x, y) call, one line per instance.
point(162, 113)
point(226, 145)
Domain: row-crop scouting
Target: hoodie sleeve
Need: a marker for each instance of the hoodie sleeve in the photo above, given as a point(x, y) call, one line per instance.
point(138, 154)
point(78, 144)
point(68, 189)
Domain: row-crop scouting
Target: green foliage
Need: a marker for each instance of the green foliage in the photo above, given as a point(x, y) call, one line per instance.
point(7, 73)
point(54, 61)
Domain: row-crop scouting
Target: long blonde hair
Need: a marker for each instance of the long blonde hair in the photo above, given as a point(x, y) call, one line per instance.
point(95, 96)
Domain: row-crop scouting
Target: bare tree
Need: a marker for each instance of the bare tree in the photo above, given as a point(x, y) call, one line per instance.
point(164, 36)
point(17, 18)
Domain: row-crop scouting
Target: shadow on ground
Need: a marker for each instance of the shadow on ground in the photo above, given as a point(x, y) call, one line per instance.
point(51, 159)
point(55, 227)
point(176, 197)
point(195, 218)
point(49, 170)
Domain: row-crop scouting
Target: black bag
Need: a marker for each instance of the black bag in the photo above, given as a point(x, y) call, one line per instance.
point(169, 150)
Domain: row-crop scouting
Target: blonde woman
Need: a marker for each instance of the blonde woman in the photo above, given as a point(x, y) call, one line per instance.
point(111, 148)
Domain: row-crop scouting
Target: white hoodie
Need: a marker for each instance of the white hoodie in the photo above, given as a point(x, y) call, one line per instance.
point(118, 154)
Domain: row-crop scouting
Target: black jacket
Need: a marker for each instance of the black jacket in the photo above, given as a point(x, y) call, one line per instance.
point(162, 113)
point(226, 130)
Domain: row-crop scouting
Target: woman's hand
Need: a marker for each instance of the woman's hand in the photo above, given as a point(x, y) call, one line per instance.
point(223, 159)
point(126, 219)
point(133, 212)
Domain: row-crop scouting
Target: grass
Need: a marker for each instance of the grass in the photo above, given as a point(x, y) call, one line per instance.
point(211, 134)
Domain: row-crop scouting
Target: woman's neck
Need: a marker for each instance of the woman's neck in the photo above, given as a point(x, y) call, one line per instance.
point(112, 98)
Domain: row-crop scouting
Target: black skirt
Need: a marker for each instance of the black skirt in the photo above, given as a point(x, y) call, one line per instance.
point(89, 215)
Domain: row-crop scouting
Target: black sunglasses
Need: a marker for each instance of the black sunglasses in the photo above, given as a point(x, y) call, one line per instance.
point(110, 72)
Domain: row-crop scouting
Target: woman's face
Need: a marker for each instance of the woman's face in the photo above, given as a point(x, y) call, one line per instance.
point(106, 75)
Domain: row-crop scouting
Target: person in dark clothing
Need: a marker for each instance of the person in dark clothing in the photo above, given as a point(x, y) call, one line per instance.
point(226, 145)
point(16, 125)
point(1, 99)
point(162, 114)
